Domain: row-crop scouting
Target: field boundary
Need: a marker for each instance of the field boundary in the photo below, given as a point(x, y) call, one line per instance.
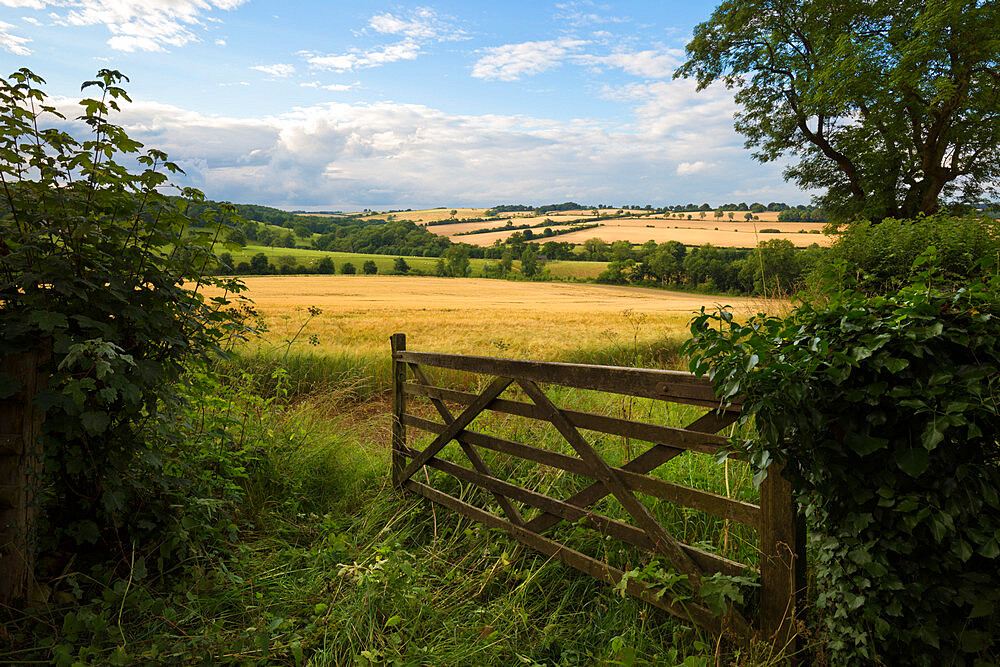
point(776, 519)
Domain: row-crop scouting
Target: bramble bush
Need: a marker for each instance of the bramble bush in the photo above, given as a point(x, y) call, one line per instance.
point(101, 266)
point(884, 411)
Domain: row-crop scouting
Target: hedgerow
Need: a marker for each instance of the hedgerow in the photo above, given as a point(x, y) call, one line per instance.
point(885, 413)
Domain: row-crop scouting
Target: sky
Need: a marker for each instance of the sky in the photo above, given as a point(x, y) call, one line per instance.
point(330, 105)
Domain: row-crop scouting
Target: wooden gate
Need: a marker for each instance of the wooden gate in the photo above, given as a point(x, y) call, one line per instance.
point(779, 528)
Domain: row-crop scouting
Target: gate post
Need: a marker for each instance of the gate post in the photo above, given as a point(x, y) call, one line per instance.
point(782, 561)
point(20, 425)
point(398, 343)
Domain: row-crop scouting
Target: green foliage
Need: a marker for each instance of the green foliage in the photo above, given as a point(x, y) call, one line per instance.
point(400, 266)
point(98, 265)
point(348, 268)
point(889, 107)
point(369, 268)
point(885, 412)
point(881, 257)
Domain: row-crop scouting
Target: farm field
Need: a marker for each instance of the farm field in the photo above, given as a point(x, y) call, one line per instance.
point(473, 316)
point(727, 235)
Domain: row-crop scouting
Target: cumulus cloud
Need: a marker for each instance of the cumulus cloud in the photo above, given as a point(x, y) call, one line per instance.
point(359, 59)
point(13, 43)
point(135, 25)
point(345, 155)
point(278, 70)
point(512, 61)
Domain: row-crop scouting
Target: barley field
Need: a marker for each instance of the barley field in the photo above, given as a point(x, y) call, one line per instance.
point(471, 316)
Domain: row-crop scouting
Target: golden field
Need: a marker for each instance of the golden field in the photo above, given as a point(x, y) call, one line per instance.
point(472, 316)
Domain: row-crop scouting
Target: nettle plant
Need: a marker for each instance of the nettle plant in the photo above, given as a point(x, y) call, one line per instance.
point(98, 264)
point(885, 413)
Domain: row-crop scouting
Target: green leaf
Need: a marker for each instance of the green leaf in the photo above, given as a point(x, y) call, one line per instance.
point(913, 461)
point(931, 437)
point(95, 422)
point(48, 321)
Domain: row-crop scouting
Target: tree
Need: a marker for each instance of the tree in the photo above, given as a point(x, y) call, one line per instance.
point(400, 266)
point(258, 263)
point(325, 265)
point(369, 268)
point(890, 107)
point(457, 261)
point(348, 269)
point(529, 262)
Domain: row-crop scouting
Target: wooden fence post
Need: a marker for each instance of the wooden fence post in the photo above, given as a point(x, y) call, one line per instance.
point(398, 343)
point(20, 425)
point(782, 561)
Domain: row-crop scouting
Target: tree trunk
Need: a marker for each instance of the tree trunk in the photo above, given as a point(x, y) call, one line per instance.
point(19, 456)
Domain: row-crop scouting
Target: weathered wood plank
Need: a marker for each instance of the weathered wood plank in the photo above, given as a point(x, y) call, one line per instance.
point(720, 506)
point(477, 461)
point(664, 543)
point(398, 344)
point(605, 525)
point(687, 610)
point(674, 386)
point(663, 435)
point(452, 429)
point(782, 561)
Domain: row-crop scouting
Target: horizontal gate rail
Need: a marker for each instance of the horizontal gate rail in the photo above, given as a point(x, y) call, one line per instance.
point(775, 519)
point(675, 386)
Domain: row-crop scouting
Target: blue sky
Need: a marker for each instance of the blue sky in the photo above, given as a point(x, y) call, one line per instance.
point(347, 105)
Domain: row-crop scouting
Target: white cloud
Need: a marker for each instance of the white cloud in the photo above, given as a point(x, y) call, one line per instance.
point(333, 86)
point(357, 59)
point(582, 13)
point(512, 61)
point(422, 23)
point(688, 168)
point(345, 155)
point(13, 43)
point(220, 42)
point(651, 64)
point(31, 20)
point(135, 25)
point(278, 70)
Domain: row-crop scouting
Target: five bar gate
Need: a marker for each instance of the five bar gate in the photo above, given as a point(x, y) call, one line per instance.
point(780, 529)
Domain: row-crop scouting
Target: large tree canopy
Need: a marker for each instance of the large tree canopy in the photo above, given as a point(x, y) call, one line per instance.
point(890, 107)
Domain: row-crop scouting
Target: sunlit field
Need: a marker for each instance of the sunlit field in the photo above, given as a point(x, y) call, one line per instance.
point(471, 316)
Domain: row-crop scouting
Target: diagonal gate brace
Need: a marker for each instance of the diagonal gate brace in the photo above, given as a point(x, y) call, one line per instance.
point(477, 461)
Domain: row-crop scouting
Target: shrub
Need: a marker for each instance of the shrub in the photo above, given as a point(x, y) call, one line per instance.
point(369, 267)
point(98, 263)
point(885, 412)
point(881, 256)
point(400, 266)
point(347, 268)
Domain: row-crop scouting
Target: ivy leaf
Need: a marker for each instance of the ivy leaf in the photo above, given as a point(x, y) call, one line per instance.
point(913, 461)
point(931, 437)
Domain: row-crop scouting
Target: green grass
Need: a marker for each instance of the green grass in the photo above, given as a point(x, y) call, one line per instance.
point(332, 566)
